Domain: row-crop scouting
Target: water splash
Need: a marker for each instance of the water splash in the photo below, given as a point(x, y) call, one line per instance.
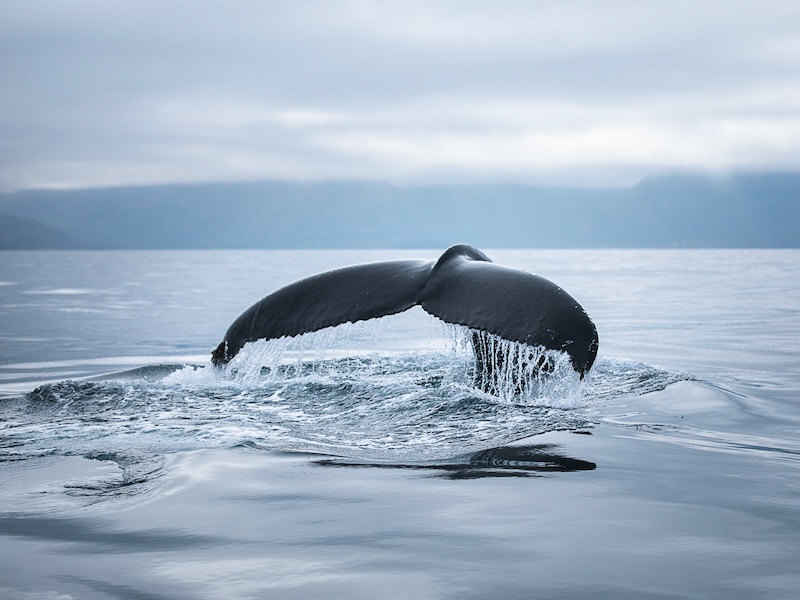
point(329, 392)
point(520, 373)
point(512, 373)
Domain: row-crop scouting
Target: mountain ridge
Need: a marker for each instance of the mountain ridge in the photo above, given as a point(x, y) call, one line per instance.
point(749, 210)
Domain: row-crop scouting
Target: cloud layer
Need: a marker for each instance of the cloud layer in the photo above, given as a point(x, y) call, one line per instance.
point(117, 92)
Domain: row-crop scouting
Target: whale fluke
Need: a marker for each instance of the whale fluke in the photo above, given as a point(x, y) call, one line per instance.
point(463, 287)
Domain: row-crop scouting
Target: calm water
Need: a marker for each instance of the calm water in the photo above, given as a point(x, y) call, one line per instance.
point(359, 462)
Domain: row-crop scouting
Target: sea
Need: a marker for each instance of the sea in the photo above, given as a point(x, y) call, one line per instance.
point(361, 461)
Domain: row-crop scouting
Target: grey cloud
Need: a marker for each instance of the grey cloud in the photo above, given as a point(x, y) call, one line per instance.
point(154, 91)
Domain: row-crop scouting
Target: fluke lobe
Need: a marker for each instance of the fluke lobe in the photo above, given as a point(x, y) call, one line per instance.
point(463, 287)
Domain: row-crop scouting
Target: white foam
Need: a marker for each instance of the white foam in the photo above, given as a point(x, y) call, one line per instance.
point(515, 373)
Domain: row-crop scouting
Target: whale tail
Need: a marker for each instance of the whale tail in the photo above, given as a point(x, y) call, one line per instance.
point(464, 287)
point(220, 355)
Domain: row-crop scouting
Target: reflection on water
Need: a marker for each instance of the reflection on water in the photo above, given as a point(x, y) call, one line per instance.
point(506, 461)
point(95, 536)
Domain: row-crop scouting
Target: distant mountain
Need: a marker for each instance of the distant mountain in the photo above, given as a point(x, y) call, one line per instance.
point(669, 211)
point(18, 233)
point(760, 211)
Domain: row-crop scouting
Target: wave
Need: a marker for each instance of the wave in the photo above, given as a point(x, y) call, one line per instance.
point(402, 406)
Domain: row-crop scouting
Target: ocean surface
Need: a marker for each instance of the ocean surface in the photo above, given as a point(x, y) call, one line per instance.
point(360, 462)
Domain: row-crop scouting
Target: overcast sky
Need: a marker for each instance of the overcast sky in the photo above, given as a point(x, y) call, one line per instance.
point(591, 92)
